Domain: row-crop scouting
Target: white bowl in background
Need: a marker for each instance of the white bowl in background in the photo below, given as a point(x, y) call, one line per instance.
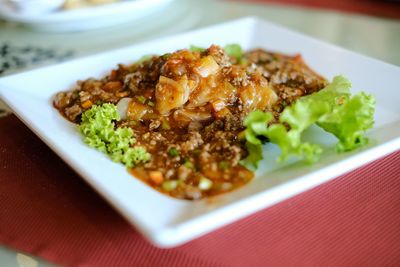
point(80, 19)
point(34, 7)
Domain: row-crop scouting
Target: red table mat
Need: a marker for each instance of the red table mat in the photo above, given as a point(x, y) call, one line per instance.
point(381, 8)
point(49, 211)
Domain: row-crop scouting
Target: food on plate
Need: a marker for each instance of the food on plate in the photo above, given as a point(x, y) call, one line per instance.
point(72, 4)
point(192, 123)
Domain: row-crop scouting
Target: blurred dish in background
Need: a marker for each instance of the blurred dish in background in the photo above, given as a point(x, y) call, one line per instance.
point(34, 7)
point(68, 17)
point(70, 4)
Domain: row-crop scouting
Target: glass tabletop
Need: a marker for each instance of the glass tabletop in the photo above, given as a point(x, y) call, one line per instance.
point(372, 36)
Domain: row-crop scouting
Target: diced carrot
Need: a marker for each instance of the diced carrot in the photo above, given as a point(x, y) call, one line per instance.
point(87, 104)
point(112, 86)
point(122, 94)
point(298, 92)
point(156, 177)
point(113, 75)
point(298, 58)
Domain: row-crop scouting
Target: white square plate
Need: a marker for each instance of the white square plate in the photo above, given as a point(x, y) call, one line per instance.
point(169, 222)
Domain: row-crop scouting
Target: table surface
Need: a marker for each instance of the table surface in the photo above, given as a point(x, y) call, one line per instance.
point(372, 36)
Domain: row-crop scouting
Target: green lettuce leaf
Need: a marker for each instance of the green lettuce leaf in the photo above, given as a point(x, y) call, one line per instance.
point(290, 144)
point(256, 125)
point(349, 121)
point(254, 157)
point(195, 48)
point(333, 109)
point(234, 50)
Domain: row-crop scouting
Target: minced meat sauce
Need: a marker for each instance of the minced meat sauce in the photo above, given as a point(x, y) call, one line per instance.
point(187, 109)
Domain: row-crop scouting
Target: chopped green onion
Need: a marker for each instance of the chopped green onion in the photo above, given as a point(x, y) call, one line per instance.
point(223, 165)
point(173, 152)
point(187, 163)
point(141, 99)
point(132, 123)
point(169, 185)
point(205, 184)
point(166, 56)
point(165, 125)
point(151, 103)
point(196, 152)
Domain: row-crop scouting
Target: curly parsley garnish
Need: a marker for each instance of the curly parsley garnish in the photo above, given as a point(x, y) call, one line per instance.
point(99, 131)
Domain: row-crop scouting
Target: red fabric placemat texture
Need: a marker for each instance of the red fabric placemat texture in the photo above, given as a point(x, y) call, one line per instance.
point(381, 8)
point(49, 211)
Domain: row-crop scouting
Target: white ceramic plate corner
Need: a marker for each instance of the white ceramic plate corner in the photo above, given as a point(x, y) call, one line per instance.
point(168, 222)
